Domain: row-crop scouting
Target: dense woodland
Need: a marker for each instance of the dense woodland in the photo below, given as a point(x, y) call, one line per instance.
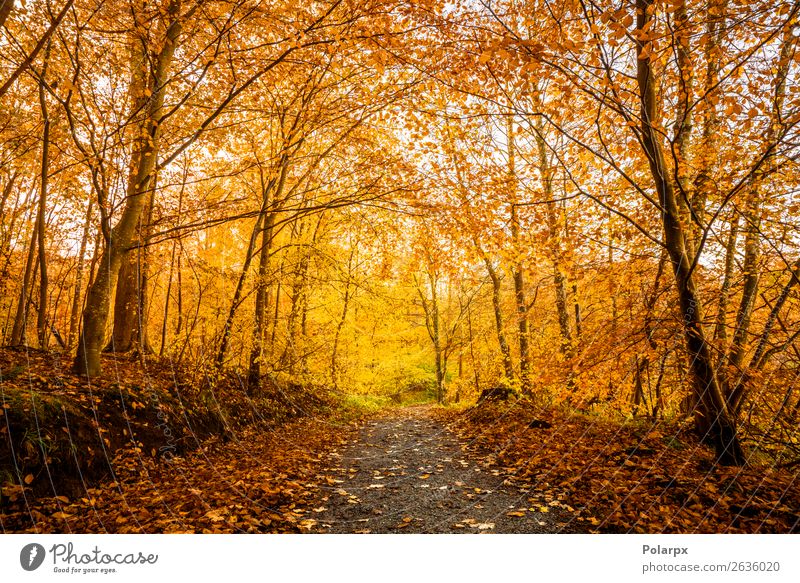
point(588, 206)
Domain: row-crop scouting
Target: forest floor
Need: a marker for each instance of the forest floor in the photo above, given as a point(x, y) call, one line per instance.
point(408, 472)
point(79, 459)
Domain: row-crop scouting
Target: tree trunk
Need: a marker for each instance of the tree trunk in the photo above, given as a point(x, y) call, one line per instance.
point(237, 294)
point(505, 351)
point(289, 357)
point(18, 331)
point(432, 324)
point(437, 340)
point(553, 226)
point(98, 297)
point(263, 303)
point(683, 132)
point(472, 357)
point(761, 354)
point(721, 329)
point(754, 211)
point(752, 252)
point(707, 162)
point(342, 320)
point(129, 334)
point(263, 287)
point(41, 320)
point(715, 423)
point(76, 294)
point(517, 269)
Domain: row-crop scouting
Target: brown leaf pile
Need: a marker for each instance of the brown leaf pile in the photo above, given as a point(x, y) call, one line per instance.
point(640, 477)
point(257, 483)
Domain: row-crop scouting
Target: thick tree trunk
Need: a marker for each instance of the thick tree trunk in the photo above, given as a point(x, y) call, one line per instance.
point(715, 423)
point(129, 334)
point(98, 297)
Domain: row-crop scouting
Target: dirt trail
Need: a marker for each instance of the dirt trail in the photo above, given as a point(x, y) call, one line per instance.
point(409, 473)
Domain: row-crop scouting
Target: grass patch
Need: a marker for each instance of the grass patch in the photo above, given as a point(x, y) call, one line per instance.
point(354, 406)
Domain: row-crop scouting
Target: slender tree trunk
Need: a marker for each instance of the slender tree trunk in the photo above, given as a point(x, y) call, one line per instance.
point(638, 387)
point(432, 324)
point(505, 351)
point(41, 320)
point(263, 304)
point(167, 298)
point(276, 314)
point(297, 289)
point(296, 321)
point(715, 423)
point(237, 294)
point(752, 253)
point(643, 364)
point(437, 340)
point(517, 270)
point(179, 283)
point(18, 331)
point(473, 359)
point(342, 320)
point(553, 227)
point(263, 287)
point(704, 184)
point(760, 356)
point(683, 132)
point(721, 329)
point(754, 211)
point(77, 289)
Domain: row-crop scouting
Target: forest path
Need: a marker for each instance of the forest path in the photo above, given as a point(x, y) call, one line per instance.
point(406, 472)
